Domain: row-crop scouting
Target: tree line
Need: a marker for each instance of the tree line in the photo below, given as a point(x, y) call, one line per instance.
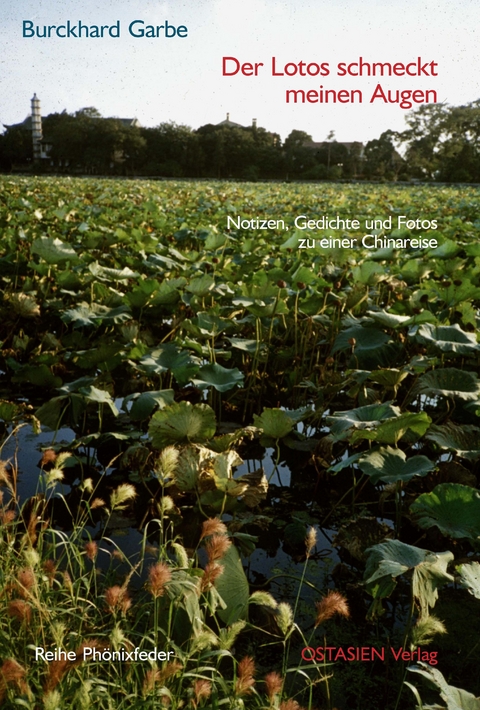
point(440, 143)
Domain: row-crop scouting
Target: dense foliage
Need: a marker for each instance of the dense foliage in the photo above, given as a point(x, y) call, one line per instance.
point(441, 143)
point(162, 350)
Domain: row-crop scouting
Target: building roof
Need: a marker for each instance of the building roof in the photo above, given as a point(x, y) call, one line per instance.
point(26, 124)
point(230, 124)
point(129, 122)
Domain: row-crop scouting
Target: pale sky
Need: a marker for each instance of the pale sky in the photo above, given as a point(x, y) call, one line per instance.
point(159, 79)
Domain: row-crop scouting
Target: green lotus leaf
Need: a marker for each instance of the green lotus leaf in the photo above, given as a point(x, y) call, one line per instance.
point(8, 411)
point(167, 294)
point(106, 274)
point(211, 325)
point(38, 375)
point(463, 440)
point(452, 507)
point(411, 425)
point(275, 423)
point(182, 422)
point(448, 338)
point(144, 403)
point(344, 463)
point(63, 410)
point(455, 698)
point(201, 285)
point(390, 559)
point(388, 378)
point(449, 382)
point(50, 414)
point(273, 307)
point(367, 417)
point(249, 346)
point(303, 273)
point(393, 320)
point(447, 250)
point(366, 339)
point(169, 357)
point(93, 394)
point(391, 465)
point(232, 585)
point(369, 272)
point(89, 315)
point(470, 577)
point(83, 315)
point(53, 250)
point(220, 378)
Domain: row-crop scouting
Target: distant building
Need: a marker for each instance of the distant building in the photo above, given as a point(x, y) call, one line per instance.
point(33, 123)
point(41, 145)
point(231, 124)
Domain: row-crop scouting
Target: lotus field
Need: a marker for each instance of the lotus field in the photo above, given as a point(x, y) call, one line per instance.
point(235, 472)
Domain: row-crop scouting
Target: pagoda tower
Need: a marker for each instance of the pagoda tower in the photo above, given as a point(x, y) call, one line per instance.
point(36, 129)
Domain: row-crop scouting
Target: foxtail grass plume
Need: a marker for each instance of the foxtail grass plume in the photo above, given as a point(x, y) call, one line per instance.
point(25, 581)
point(55, 672)
point(263, 598)
point(180, 555)
point(202, 689)
point(167, 462)
point(157, 676)
point(205, 640)
point(50, 569)
point(31, 556)
point(310, 540)
point(57, 669)
point(290, 705)
point(119, 640)
point(6, 476)
point(245, 680)
point(52, 700)
point(216, 547)
point(284, 617)
point(169, 670)
point(158, 576)
point(333, 603)
point(274, 685)
point(91, 550)
point(425, 629)
point(213, 526)
point(229, 635)
point(7, 516)
point(117, 599)
point(150, 680)
point(67, 581)
point(49, 457)
point(211, 573)
point(12, 673)
point(121, 495)
point(19, 609)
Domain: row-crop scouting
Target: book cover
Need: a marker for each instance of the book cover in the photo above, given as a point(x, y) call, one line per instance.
point(239, 367)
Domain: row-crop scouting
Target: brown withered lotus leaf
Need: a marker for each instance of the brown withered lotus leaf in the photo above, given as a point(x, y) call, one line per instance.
point(257, 487)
